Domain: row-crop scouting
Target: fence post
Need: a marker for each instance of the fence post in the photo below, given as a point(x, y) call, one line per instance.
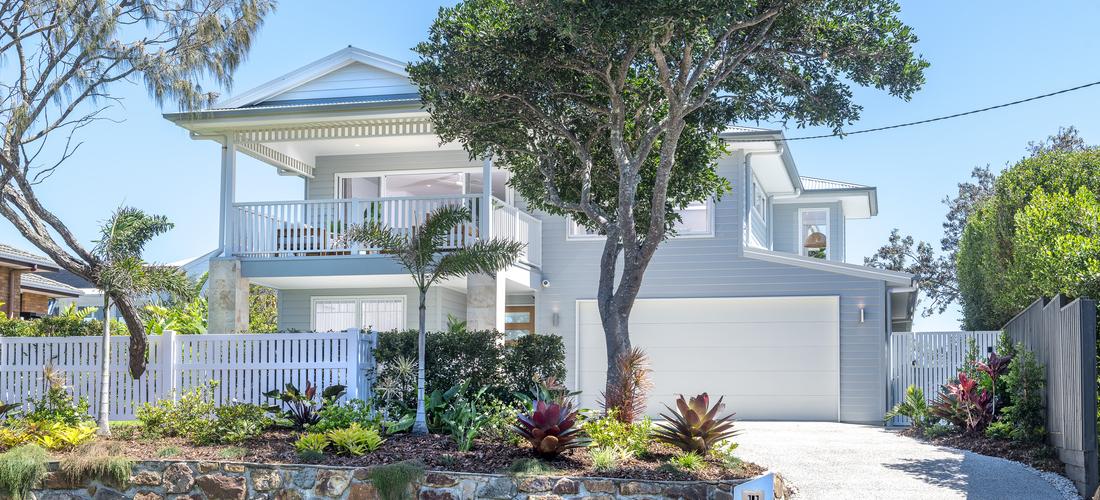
point(353, 363)
point(167, 350)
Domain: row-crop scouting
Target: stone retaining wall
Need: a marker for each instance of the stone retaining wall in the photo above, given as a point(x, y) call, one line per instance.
point(156, 480)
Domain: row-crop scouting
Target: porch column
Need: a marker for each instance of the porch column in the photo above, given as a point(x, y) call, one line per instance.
point(485, 302)
point(228, 193)
point(485, 227)
point(227, 297)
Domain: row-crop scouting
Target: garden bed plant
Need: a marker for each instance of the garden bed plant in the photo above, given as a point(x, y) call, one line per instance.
point(993, 407)
point(474, 426)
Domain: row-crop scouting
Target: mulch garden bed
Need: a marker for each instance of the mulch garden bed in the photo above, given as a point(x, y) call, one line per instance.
point(436, 452)
point(1039, 456)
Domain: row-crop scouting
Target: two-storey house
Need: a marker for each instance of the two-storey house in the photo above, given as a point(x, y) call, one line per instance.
point(752, 300)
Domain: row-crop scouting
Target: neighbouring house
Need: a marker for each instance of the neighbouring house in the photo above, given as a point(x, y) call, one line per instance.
point(24, 289)
point(752, 301)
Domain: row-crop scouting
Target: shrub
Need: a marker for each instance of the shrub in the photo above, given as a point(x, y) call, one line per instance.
point(531, 358)
point(607, 458)
point(914, 407)
point(56, 405)
point(20, 469)
point(354, 440)
point(392, 481)
point(938, 429)
point(300, 408)
point(97, 461)
point(234, 423)
point(695, 426)
point(233, 453)
point(608, 431)
point(626, 399)
point(965, 404)
point(187, 416)
point(723, 451)
point(1025, 381)
point(551, 428)
point(500, 418)
point(341, 416)
point(463, 419)
point(311, 446)
point(688, 461)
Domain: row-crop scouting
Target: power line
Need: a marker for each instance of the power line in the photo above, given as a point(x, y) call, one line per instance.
point(936, 119)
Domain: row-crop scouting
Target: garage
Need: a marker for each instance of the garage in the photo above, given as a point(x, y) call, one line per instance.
point(773, 358)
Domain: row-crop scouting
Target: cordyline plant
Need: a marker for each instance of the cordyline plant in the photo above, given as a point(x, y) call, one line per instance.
point(551, 428)
point(994, 367)
point(965, 404)
point(423, 252)
point(62, 58)
point(626, 399)
point(694, 426)
point(609, 112)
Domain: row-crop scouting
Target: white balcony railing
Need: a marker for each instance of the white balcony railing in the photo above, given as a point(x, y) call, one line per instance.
point(313, 228)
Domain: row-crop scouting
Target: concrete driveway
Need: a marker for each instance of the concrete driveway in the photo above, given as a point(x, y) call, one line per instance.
point(830, 460)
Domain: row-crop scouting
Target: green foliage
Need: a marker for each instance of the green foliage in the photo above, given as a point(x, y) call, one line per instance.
point(20, 469)
point(607, 458)
point(626, 399)
point(54, 436)
point(343, 415)
point(169, 451)
point(196, 417)
point(939, 429)
point(56, 326)
point(300, 407)
point(56, 405)
point(914, 407)
point(311, 446)
point(695, 426)
point(355, 440)
point(98, 461)
point(263, 309)
point(551, 428)
point(232, 453)
point(724, 452)
point(530, 467)
point(463, 418)
point(533, 357)
point(234, 423)
point(500, 417)
point(688, 462)
point(188, 315)
point(393, 480)
point(609, 431)
point(1025, 382)
point(1001, 429)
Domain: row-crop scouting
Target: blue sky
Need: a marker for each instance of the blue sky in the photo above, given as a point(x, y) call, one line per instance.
point(982, 53)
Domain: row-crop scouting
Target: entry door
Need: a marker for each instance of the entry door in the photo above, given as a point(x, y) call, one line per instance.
point(519, 321)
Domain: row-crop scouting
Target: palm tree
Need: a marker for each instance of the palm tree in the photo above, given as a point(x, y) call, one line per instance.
point(421, 252)
point(124, 276)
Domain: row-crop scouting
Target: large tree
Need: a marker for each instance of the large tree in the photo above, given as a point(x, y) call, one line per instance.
point(62, 58)
point(609, 112)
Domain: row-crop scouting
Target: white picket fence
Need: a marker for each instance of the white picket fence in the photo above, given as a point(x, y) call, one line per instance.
point(929, 359)
point(245, 365)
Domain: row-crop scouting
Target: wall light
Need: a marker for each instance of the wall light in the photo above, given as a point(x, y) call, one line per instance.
point(861, 314)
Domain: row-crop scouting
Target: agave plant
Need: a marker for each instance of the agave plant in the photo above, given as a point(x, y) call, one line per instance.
point(695, 426)
point(551, 428)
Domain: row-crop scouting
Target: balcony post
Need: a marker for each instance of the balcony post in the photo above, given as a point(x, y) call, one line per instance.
point(228, 190)
point(485, 227)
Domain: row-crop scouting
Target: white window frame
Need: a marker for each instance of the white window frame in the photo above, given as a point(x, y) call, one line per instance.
point(572, 229)
point(800, 238)
point(313, 300)
point(762, 211)
point(509, 193)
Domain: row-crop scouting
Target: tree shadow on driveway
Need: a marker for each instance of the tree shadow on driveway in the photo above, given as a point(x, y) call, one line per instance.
point(976, 477)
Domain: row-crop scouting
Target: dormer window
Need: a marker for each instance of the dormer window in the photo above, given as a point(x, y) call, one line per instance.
point(813, 232)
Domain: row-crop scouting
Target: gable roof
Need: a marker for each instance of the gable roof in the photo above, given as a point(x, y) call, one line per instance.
point(817, 183)
point(313, 71)
point(41, 284)
point(22, 258)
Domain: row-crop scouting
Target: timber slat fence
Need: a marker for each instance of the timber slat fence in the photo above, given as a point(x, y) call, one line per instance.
point(1062, 335)
point(245, 365)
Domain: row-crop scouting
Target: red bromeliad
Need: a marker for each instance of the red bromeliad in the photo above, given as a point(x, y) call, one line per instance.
point(550, 428)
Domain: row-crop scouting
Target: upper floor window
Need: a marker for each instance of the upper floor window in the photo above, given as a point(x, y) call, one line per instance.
point(813, 232)
point(697, 220)
point(759, 200)
point(366, 185)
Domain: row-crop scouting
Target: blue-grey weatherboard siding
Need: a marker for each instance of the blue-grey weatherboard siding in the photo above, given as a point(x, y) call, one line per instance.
point(785, 228)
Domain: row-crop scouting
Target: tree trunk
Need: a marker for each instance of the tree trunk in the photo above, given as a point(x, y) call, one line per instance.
point(614, 312)
point(421, 424)
point(136, 329)
point(105, 371)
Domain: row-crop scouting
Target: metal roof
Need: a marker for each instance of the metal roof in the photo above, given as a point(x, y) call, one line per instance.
point(37, 282)
point(816, 183)
point(14, 255)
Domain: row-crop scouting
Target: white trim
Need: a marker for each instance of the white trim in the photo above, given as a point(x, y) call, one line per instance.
point(340, 176)
point(897, 278)
point(572, 235)
point(799, 238)
point(314, 70)
point(840, 343)
point(313, 299)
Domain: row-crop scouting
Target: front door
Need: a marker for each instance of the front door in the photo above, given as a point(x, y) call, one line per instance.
point(519, 321)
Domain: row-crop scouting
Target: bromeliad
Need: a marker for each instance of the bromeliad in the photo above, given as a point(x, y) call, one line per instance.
point(551, 428)
point(695, 426)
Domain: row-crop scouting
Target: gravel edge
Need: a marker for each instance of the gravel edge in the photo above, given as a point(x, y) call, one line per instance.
point(1061, 483)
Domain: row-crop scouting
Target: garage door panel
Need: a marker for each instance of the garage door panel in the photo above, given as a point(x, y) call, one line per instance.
point(772, 358)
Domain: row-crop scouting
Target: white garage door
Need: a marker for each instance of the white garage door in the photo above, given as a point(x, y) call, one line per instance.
point(773, 358)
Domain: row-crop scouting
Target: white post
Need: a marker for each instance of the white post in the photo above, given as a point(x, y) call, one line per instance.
point(168, 352)
point(354, 218)
point(485, 229)
point(353, 364)
point(228, 190)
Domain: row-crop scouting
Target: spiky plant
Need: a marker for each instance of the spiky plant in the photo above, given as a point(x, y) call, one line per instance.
point(425, 254)
point(625, 398)
point(551, 428)
point(914, 407)
point(695, 426)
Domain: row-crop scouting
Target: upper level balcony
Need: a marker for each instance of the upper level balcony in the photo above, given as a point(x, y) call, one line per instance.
point(319, 228)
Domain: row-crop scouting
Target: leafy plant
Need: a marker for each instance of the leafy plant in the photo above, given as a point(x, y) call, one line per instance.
point(311, 446)
point(20, 469)
point(341, 416)
point(168, 451)
point(609, 431)
point(187, 416)
point(688, 461)
point(463, 418)
point(531, 358)
point(56, 405)
point(627, 395)
point(300, 407)
point(393, 480)
point(939, 429)
point(8, 410)
point(1025, 382)
point(914, 407)
point(607, 458)
point(530, 467)
point(695, 426)
point(55, 436)
point(965, 404)
point(354, 440)
point(403, 424)
point(500, 417)
point(724, 452)
point(548, 389)
point(98, 460)
point(234, 423)
point(551, 428)
point(232, 452)
point(992, 368)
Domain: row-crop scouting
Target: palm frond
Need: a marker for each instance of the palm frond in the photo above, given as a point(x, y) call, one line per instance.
point(439, 223)
point(127, 231)
point(484, 256)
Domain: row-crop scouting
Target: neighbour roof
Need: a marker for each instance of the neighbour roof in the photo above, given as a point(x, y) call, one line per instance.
point(39, 283)
point(12, 255)
point(817, 183)
point(68, 278)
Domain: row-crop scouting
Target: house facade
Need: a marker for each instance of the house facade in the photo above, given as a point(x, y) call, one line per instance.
point(752, 300)
point(25, 290)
